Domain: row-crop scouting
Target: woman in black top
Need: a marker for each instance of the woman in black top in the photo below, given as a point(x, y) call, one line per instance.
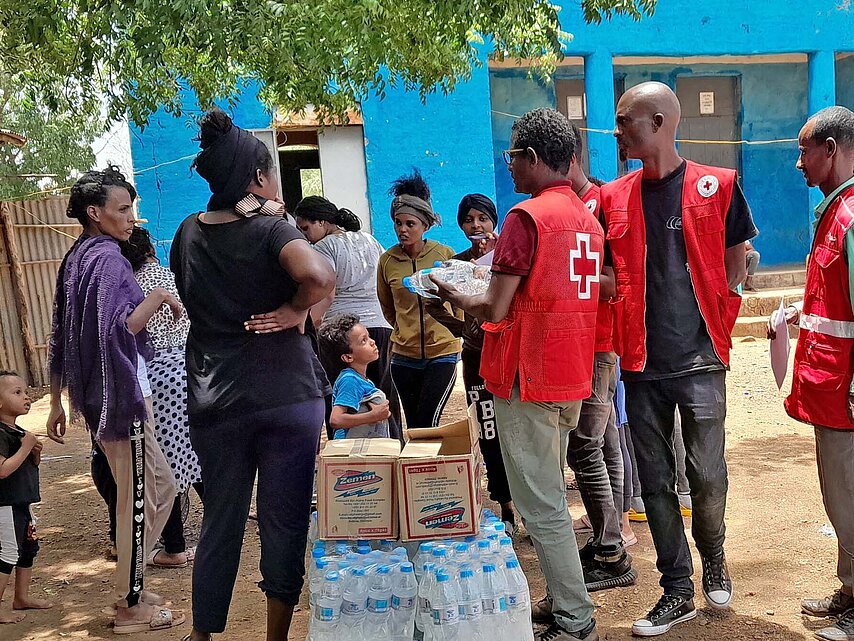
point(255, 387)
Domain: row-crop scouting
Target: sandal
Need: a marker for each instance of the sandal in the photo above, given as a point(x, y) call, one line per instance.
point(582, 524)
point(153, 562)
point(162, 620)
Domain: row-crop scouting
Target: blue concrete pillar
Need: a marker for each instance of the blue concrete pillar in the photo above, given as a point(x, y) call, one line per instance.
point(821, 94)
point(599, 90)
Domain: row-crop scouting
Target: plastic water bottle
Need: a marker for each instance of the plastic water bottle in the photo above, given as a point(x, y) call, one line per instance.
point(315, 582)
point(327, 614)
point(471, 606)
point(505, 549)
point(379, 606)
point(404, 600)
point(461, 554)
point(386, 545)
point(494, 591)
point(446, 608)
point(466, 277)
point(355, 601)
point(424, 617)
point(363, 548)
point(518, 603)
point(424, 554)
point(401, 552)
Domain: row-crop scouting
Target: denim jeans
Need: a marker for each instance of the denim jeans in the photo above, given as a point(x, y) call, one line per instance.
point(701, 399)
point(533, 445)
point(585, 455)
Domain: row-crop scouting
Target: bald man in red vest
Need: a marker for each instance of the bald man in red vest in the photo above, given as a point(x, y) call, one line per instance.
point(676, 232)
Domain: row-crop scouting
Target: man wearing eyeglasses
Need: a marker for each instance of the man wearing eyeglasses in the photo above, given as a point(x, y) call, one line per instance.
point(538, 349)
point(676, 232)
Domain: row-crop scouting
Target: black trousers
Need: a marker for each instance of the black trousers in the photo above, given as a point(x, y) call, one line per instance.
point(424, 392)
point(102, 476)
point(490, 446)
point(278, 446)
point(173, 531)
point(379, 373)
point(650, 405)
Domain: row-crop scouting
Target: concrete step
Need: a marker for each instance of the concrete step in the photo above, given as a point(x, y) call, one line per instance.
point(763, 302)
point(780, 279)
point(756, 327)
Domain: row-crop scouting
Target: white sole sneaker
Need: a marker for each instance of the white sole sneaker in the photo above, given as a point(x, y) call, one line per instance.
point(714, 604)
point(655, 630)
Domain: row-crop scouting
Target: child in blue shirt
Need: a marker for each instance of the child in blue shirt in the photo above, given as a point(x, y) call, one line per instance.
point(359, 408)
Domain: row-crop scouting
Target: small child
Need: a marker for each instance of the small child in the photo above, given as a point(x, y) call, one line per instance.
point(20, 455)
point(359, 408)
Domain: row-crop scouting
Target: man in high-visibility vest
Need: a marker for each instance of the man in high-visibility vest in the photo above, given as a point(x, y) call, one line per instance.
point(822, 390)
point(676, 231)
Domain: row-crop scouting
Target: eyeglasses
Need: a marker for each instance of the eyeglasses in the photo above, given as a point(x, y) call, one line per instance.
point(509, 154)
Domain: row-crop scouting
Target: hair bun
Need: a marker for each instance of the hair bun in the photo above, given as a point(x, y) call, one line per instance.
point(348, 220)
point(213, 125)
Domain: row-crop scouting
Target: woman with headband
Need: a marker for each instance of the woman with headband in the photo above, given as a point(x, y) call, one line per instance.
point(424, 352)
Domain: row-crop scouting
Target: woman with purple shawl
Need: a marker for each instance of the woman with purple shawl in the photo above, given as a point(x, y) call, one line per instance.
point(98, 350)
point(255, 387)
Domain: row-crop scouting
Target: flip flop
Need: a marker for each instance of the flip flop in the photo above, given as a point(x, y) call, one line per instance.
point(629, 541)
point(152, 561)
point(163, 620)
point(582, 524)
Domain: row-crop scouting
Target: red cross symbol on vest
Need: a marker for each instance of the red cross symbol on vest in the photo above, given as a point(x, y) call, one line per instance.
point(584, 266)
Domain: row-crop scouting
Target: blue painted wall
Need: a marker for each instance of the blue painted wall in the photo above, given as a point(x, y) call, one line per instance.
point(456, 139)
point(170, 192)
point(773, 187)
point(449, 138)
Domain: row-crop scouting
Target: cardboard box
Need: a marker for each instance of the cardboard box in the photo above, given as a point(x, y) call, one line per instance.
point(356, 489)
point(438, 480)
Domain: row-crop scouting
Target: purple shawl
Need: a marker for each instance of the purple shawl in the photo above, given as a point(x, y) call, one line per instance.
point(91, 347)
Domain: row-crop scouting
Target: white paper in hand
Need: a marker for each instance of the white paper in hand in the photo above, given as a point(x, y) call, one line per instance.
point(779, 348)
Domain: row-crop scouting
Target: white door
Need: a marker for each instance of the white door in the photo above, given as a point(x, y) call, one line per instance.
point(343, 170)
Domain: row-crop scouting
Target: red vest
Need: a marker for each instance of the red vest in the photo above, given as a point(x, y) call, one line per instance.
point(604, 317)
point(823, 357)
point(706, 196)
point(547, 337)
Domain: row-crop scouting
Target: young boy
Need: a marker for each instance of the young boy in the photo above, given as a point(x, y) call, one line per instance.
point(359, 408)
point(20, 454)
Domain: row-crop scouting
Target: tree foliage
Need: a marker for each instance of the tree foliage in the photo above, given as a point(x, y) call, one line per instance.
point(59, 142)
point(329, 53)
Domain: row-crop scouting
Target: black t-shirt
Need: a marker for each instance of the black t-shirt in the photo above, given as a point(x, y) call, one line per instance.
point(677, 341)
point(225, 273)
point(21, 487)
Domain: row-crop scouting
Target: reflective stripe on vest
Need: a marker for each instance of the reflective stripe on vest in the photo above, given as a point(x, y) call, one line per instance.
point(826, 326)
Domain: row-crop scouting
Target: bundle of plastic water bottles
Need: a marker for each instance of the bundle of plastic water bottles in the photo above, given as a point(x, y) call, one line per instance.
point(467, 278)
point(468, 589)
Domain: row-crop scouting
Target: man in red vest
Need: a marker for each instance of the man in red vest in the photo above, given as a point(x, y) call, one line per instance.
point(822, 390)
point(676, 233)
point(538, 349)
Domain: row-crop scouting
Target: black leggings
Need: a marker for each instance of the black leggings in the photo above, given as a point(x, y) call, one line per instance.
point(490, 446)
point(173, 531)
point(424, 392)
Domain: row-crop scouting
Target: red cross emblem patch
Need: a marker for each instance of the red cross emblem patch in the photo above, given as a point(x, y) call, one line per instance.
point(707, 186)
point(584, 266)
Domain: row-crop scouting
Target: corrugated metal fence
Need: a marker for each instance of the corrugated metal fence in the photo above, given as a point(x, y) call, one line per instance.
point(34, 236)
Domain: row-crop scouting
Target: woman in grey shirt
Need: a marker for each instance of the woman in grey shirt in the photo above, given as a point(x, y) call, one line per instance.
point(354, 254)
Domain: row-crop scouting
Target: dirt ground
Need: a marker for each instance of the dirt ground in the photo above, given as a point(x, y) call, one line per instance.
point(776, 547)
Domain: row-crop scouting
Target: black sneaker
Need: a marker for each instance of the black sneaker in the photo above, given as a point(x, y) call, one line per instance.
point(605, 575)
point(557, 633)
point(541, 611)
point(670, 610)
point(717, 586)
point(842, 630)
point(830, 606)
